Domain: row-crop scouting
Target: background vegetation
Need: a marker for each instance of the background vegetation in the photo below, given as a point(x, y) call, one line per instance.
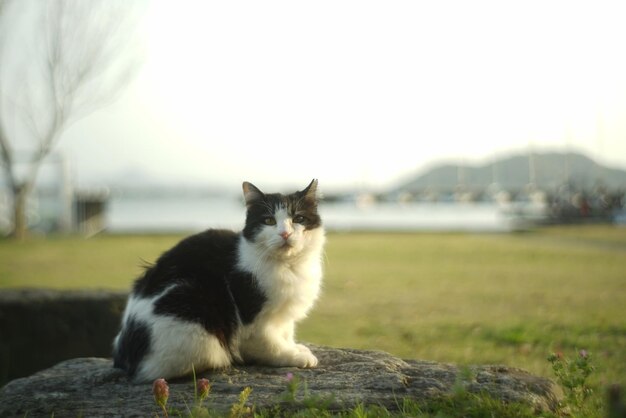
point(463, 298)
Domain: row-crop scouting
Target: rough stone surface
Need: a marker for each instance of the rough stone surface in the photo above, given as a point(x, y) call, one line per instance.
point(91, 387)
point(41, 327)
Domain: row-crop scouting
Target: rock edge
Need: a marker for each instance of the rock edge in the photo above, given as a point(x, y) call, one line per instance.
point(91, 387)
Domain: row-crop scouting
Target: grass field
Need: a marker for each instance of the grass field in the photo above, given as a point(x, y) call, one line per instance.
point(463, 298)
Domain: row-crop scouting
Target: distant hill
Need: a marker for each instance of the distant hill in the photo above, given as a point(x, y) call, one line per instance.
point(551, 170)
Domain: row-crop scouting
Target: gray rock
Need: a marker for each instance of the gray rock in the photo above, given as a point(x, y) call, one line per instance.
point(91, 387)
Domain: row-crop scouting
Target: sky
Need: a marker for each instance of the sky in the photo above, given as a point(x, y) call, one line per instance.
point(359, 94)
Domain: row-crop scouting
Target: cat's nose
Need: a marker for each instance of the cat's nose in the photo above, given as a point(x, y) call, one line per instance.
point(285, 235)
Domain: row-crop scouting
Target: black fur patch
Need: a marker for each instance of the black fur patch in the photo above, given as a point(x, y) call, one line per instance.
point(247, 295)
point(199, 260)
point(210, 305)
point(208, 289)
point(133, 345)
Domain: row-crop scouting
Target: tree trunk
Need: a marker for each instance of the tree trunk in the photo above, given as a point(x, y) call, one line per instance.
point(20, 221)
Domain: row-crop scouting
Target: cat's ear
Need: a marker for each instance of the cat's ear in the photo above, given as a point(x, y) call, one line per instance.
point(251, 193)
point(310, 193)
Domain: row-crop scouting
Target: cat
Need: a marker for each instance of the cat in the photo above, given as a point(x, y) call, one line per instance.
point(221, 297)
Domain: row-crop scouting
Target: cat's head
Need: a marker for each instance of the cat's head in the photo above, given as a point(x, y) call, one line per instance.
point(282, 225)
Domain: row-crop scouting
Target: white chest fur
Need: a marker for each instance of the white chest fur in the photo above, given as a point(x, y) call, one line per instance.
point(291, 283)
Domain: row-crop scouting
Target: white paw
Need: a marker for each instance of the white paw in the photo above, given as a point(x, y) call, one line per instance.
point(305, 359)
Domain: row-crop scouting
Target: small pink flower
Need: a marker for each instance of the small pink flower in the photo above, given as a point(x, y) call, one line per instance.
point(203, 387)
point(583, 354)
point(289, 377)
point(161, 392)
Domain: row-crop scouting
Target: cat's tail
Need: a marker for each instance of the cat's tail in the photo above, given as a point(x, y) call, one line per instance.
point(131, 346)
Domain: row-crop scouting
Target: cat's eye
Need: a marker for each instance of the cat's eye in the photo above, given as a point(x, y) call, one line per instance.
point(299, 219)
point(269, 220)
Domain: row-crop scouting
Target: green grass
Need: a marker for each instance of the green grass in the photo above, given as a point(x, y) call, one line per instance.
point(463, 298)
point(507, 299)
point(102, 262)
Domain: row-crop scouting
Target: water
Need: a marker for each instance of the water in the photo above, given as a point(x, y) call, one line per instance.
point(195, 213)
point(167, 214)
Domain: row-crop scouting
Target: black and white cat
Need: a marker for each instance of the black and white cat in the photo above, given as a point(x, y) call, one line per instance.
point(221, 297)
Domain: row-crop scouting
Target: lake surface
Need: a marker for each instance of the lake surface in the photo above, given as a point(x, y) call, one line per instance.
point(195, 213)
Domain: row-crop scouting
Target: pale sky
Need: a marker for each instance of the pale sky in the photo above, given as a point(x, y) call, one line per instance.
point(358, 93)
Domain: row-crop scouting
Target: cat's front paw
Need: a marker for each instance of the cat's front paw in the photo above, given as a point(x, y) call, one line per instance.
point(305, 359)
point(306, 352)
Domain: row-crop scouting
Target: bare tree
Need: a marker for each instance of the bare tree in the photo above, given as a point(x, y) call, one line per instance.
point(81, 62)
